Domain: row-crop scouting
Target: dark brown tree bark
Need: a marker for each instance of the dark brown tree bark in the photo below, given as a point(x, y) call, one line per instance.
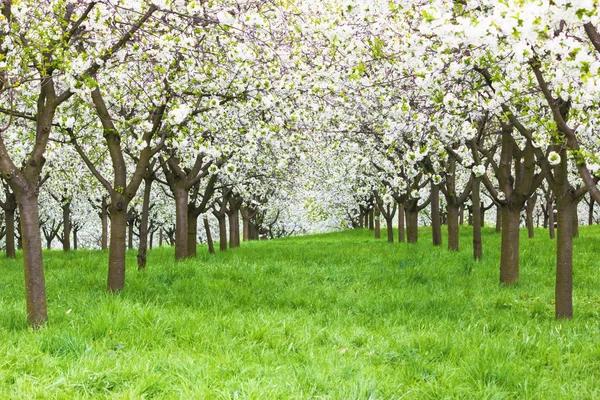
point(181, 195)
point(143, 246)
point(209, 239)
point(412, 224)
point(377, 222)
point(436, 220)
point(9, 206)
point(35, 287)
point(116, 255)
point(564, 254)
point(104, 220)
point(220, 212)
point(10, 234)
point(233, 215)
point(477, 219)
point(401, 223)
point(371, 219)
point(498, 218)
point(192, 234)
point(529, 209)
point(509, 252)
point(575, 218)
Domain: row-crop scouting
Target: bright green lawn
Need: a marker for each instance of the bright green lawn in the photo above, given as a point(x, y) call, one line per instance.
point(335, 316)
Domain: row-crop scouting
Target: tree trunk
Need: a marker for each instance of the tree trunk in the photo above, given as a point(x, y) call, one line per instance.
point(551, 222)
point(412, 225)
point(564, 258)
point(436, 221)
point(75, 240)
point(498, 219)
point(390, 229)
point(245, 225)
point(371, 219)
point(377, 223)
point(234, 227)
point(10, 234)
point(209, 240)
point(591, 211)
point(482, 211)
point(66, 226)
point(222, 233)
point(401, 223)
point(35, 289)
point(181, 222)
point(143, 247)
point(117, 250)
point(49, 242)
point(575, 219)
point(453, 226)
point(529, 215)
point(104, 220)
point(160, 237)
point(461, 214)
point(130, 235)
point(192, 233)
point(509, 252)
point(477, 219)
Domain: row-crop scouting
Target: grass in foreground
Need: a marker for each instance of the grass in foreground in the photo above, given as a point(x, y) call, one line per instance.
point(335, 316)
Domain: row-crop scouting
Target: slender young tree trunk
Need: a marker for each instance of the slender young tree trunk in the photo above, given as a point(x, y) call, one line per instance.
point(401, 223)
point(461, 214)
point(529, 215)
point(564, 258)
point(117, 249)
point(35, 289)
point(436, 221)
point(10, 234)
point(482, 211)
point(591, 211)
point(75, 240)
point(66, 226)
point(160, 237)
point(49, 243)
point(209, 240)
point(498, 219)
point(412, 225)
point(477, 220)
point(551, 222)
point(104, 220)
point(130, 235)
point(453, 226)
point(377, 223)
point(509, 252)
point(143, 247)
point(371, 219)
point(181, 222)
point(575, 219)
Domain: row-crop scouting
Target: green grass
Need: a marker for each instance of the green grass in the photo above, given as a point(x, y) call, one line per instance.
point(333, 316)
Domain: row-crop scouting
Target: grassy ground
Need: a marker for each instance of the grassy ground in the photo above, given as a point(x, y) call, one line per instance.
point(335, 316)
